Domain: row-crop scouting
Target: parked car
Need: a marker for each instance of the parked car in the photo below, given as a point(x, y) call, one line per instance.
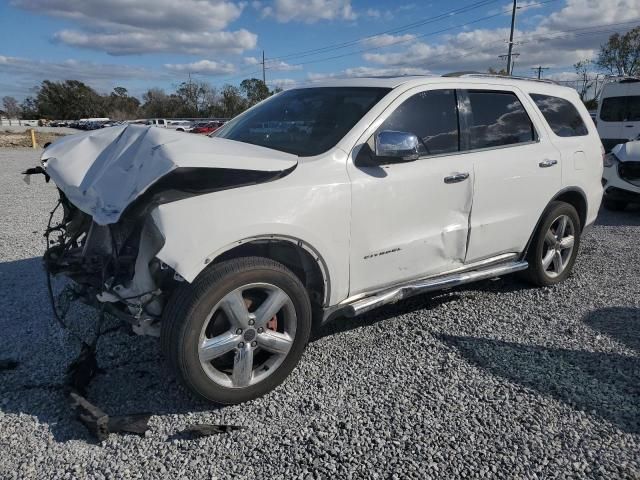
point(619, 112)
point(231, 247)
point(181, 125)
point(207, 128)
point(621, 177)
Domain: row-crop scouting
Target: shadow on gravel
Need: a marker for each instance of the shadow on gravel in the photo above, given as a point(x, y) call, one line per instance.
point(426, 301)
point(619, 323)
point(602, 384)
point(420, 302)
point(629, 217)
point(134, 379)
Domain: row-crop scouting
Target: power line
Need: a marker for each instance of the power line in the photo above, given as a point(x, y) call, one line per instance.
point(423, 35)
point(402, 28)
point(462, 25)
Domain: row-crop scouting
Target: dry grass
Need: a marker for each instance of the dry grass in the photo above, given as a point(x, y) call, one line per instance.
point(23, 139)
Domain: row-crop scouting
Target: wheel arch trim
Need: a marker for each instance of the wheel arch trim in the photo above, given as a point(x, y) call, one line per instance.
point(571, 189)
point(317, 257)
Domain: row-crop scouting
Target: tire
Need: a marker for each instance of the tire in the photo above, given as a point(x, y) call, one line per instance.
point(546, 245)
point(259, 351)
point(614, 205)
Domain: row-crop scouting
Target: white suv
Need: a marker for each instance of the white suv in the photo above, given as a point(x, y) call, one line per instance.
point(359, 193)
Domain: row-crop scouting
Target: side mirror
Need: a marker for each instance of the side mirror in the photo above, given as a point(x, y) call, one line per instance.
point(396, 146)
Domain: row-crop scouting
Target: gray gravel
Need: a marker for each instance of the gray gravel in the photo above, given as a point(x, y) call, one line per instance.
point(496, 380)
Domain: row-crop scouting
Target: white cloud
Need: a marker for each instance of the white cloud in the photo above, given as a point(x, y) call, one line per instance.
point(26, 73)
point(378, 14)
point(123, 27)
point(310, 11)
point(185, 15)
point(479, 49)
point(369, 72)
point(280, 66)
point(148, 41)
point(386, 40)
point(586, 13)
point(282, 83)
point(276, 65)
point(205, 67)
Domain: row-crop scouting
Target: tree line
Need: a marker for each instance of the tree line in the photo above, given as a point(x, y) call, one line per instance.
point(73, 99)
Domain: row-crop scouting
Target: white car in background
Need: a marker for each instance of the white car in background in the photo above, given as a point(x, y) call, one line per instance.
point(618, 116)
point(621, 177)
point(365, 192)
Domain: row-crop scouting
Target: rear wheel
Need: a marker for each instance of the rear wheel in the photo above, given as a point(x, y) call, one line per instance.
point(238, 330)
point(553, 251)
point(614, 205)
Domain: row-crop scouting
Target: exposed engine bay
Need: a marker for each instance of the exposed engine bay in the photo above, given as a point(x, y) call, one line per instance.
point(113, 265)
point(109, 181)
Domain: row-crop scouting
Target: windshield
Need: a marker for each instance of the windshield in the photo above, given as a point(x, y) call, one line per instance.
point(306, 121)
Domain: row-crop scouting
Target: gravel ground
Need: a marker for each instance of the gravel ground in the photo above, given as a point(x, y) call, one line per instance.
point(496, 380)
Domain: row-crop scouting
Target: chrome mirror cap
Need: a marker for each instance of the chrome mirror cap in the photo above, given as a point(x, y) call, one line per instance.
point(398, 145)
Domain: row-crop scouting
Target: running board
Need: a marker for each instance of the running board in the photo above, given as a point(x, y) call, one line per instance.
point(398, 293)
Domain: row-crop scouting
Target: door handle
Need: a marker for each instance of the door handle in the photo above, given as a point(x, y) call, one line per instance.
point(456, 177)
point(629, 126)
point(547, 163)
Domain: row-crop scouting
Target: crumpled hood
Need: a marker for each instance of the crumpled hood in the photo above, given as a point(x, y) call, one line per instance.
point(627, 152)
point(103, 171)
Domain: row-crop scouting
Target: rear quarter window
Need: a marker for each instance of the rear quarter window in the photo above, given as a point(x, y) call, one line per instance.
point(563, 118)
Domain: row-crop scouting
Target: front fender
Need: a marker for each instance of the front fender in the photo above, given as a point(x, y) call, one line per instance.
point(199, 229)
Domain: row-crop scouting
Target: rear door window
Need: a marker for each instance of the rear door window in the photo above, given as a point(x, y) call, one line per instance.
point(620, 109)
point(433, 117)
point(497, 119)
point(563, 118)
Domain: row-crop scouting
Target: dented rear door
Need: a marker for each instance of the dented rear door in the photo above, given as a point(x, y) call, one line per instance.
point(410, 219)
point(518, 170)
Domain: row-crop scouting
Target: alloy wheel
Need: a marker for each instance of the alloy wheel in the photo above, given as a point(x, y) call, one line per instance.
point(558, 246)
point(247, 335)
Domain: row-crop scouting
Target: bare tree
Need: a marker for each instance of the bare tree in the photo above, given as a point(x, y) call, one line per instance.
point(11, 107)
point(584, 81)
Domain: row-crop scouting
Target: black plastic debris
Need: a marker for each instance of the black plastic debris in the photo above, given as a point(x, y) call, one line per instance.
point(8, 364)
point(207, 429)
point(101, 425)
point(79, 374)
point(37, 171)
point(81, 371)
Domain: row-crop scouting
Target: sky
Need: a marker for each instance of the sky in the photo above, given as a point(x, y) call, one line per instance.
point(141, 44)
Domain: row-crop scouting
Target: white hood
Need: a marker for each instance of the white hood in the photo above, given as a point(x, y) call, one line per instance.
point(101, 172)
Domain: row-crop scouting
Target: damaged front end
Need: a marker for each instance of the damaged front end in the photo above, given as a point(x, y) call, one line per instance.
point(109, 182)
point(112, 266)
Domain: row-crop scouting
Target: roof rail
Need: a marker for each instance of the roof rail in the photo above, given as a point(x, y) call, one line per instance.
point(493, 75)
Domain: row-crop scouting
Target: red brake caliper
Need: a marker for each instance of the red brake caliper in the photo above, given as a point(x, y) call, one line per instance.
point(273, 324)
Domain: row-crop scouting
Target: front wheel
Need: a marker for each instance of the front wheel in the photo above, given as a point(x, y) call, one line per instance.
point(238, 330)
point(554, 248)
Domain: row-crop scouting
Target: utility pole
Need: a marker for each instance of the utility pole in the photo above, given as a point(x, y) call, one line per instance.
point(264, 80)
point(513, 24)
point(539, 70)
